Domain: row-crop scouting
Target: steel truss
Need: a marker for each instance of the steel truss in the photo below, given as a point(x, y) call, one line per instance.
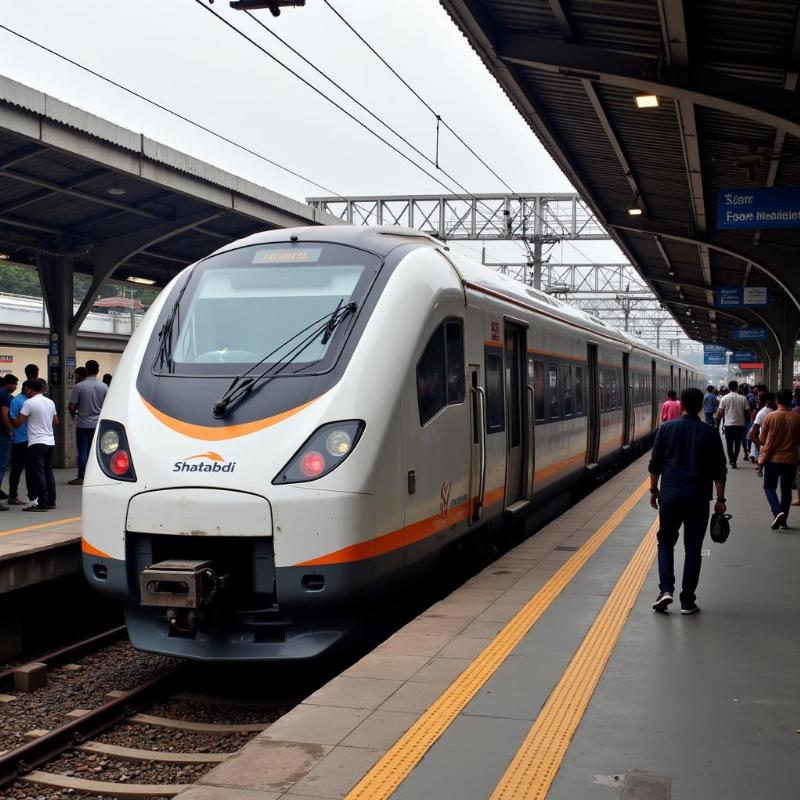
point(528, 217)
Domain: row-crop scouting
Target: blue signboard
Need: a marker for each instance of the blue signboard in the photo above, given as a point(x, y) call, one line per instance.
point(740, 296)
point(714, 358)
point(739, 209)
point(750, 334)
point(708, 348)
point(743, 356)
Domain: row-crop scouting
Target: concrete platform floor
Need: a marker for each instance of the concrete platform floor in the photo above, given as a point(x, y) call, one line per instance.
point(685, 708)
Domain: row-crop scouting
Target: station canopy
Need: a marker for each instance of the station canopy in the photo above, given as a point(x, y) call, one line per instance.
point(653, 108)
point(116, 203)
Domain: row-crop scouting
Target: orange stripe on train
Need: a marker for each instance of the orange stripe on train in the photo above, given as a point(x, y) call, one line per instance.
point(91, 550)
point(209, 434)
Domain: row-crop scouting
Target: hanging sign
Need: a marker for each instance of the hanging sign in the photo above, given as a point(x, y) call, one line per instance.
point(718, 359)
point(740, 296)
point(747, 209)
point(752, 365)
point(710, 347)
point(750, 334)
point(743, 356)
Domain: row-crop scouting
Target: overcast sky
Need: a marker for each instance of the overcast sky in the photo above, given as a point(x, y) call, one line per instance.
point(179, 55)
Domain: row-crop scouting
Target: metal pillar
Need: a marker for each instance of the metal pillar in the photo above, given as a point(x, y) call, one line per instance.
point(56, 278)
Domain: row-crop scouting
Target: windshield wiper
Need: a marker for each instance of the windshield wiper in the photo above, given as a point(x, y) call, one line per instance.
point(165, 334)
point(242, 384)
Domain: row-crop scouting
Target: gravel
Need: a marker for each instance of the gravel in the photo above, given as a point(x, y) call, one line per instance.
point(116, 667)
point(166, 740)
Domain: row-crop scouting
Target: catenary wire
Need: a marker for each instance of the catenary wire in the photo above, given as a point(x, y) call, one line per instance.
point(356, 101)
point(360, 123)
point(416, 94)
point(168, 110)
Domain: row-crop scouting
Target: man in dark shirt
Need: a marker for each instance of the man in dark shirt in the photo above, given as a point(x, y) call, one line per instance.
point(688, 457)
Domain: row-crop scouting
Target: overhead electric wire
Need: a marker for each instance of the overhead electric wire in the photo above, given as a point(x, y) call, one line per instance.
point(358, 102)
point(416, 94)
point(168, 110)
point(322, 94)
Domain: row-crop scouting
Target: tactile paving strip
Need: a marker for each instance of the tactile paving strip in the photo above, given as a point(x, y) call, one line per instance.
point(533, 769)
point(395, 765)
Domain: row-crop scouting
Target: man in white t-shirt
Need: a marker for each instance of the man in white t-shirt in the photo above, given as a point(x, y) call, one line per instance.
point(40, 414)
point(767, 399)
point(733, 408)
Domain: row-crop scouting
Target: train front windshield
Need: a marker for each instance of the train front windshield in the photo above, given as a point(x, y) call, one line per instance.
point(266, 300)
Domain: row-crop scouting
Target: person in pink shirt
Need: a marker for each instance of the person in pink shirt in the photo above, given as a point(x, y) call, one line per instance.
point(671, 408)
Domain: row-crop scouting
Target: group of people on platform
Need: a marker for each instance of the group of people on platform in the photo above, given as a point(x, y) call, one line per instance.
point(688, 461)
point(27, 432)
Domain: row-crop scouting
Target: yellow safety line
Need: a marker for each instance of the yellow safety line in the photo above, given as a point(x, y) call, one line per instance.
point(52, 524)
point(395, 765)
point(532, 770)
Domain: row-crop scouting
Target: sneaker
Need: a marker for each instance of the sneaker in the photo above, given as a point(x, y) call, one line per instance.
point(780, 519)
point(662, 601)
point(691, 610)
point(32, 508)
point(75, 482)
point(4, 507)
point(15, 501)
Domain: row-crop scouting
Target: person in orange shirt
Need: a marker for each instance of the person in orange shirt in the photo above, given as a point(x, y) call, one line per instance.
point(779, 437)
point(671, 409)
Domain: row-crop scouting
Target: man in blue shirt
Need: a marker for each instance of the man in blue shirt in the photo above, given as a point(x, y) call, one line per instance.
point(689, 459)
point(19, 450)
point(710, 405)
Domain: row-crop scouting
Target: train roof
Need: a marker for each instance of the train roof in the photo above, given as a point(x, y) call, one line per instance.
point(381, 240)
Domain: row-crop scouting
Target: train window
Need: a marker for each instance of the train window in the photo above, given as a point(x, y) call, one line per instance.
point(454, 336)
point(538, 391)
point(431, 384)
point(579, 390)
point(566, 388)
point(613, 395)
point(495, 400)
point(552, 389)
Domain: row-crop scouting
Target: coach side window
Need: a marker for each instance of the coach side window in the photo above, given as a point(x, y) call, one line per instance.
point(566, 388)
point(579, 390)
point(552, 387)
point(538, 391)
point(495, 398)
point(440, 371)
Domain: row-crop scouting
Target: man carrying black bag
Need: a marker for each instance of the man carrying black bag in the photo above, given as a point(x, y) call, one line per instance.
point(688, 457)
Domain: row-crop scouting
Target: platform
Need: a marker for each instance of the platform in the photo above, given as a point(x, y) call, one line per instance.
point(549, 675)
point(40, 547)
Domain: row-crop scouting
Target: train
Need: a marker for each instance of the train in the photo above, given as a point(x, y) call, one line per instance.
point(308, 419)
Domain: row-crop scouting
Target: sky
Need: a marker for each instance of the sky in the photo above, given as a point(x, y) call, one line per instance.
point(179, 55)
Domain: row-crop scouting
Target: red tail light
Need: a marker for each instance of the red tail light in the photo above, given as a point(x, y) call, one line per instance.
point(312, 464)
point(120, 462)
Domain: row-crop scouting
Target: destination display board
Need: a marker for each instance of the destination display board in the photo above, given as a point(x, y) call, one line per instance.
point(740, 296)
point(750, 334)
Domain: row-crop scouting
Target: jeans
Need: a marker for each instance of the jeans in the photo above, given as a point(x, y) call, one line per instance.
point(693, 515)
point(747, 425)
point(5, 452)
point(773, 473)
point(19, 453)
point(40, 463)
point(83, 438)
point(734, 435)
point(710, 419)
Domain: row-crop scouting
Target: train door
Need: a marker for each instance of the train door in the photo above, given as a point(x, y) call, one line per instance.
point(653, 390)
point(593, 427)
point(477, 473)
point(517, 437)
point(627, 401)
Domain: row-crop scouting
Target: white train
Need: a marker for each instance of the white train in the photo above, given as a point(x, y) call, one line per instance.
point(309, 417)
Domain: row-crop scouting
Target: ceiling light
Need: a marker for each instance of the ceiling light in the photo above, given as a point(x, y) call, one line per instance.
point(646, 101)
point(145, 281)
point(635, 211)
point(117, 190)
point(688, 312)
point(4, 256)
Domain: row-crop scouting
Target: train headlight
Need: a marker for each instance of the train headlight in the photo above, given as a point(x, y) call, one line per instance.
point(322, 452)
point(113, 451)
point(109, 442)
point(338, 443)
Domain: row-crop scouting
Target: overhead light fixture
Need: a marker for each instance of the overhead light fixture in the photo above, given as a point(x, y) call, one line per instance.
point(4, 256)
point(688, 312)
point(145, 281)
point(116, 190)
point(635, 211)
point(646, 100)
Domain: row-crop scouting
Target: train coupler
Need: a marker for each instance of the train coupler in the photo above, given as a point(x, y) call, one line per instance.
point(179, 585)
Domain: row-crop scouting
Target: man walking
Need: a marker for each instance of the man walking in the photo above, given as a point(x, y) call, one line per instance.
point(710, 404)
point(779, 436)
point(687, 456)
point(19, 450)
point(85, 403)
point(40, 414)
point(732, 410)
